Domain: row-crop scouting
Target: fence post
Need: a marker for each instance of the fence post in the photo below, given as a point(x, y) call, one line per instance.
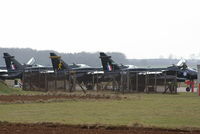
point(30, 84)
point(146, 83)
point(128, 81)
point(39, 83)
point(65, 81)
point(23, 83)
point(198, 76)
point(56, 80)
point(46, 81)
point(165, 80)
point(155, 84)
point(176, 84)
point(74, 81)
point(70, 82)
point(136, 82)
point(93, 81)
point(122, 81)
point(97, 80)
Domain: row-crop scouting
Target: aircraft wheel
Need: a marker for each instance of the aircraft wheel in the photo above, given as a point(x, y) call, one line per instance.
point(187, 89)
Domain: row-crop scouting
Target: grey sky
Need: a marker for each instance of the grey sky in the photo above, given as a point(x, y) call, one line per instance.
point(139, 29)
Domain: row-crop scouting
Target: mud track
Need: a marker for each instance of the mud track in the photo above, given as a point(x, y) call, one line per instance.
point(50, 128)
point(32, 98)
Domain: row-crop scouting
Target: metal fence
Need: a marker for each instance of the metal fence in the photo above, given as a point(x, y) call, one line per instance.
point(125, 82)
point(36, 81)
point(133, 81)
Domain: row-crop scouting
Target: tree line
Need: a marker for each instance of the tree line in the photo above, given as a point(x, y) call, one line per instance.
point(91, 59)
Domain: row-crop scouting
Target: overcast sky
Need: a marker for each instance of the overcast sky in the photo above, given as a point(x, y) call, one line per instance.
point(138, 28)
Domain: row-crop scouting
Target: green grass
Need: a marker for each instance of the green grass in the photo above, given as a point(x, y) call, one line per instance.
point(171, 111)
point(6, 90)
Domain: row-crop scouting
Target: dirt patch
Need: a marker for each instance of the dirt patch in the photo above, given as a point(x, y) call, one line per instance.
point(50, 128)
point(32, 98)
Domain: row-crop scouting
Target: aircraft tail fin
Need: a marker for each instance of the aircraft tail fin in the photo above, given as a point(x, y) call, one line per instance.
point(11, 63)
point(58, 63)
point(107, 63)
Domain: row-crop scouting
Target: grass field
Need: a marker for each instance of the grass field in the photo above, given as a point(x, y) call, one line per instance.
point(5, 90)
point(171, 111)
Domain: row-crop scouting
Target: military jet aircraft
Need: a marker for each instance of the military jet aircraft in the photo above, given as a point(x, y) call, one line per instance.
point(84, 74)
point(110, 66)
point(180, 72)
point(181, 69)
point(16, 69)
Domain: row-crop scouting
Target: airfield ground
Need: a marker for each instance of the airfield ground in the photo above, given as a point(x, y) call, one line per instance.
point(50, 128)
point(102, 112)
